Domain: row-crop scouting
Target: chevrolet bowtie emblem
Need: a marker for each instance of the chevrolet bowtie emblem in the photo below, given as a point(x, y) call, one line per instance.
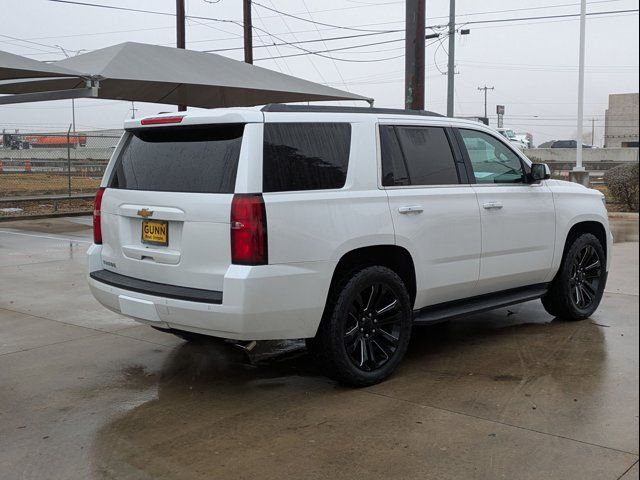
point(145, 212)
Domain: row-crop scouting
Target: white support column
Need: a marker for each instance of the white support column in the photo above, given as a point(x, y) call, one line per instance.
point(579, 174)
point(583, 12)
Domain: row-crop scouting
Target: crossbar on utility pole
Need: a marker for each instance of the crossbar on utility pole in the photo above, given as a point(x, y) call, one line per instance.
point(248, 31)
point(414, 55)
point(485, 88)
point(452, 58)
point(180, 34)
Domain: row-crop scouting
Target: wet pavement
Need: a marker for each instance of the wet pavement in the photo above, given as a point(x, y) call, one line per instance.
point(86, 394)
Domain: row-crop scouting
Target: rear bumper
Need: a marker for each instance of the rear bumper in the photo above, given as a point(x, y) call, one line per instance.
point(259, 303)
point(156, 289)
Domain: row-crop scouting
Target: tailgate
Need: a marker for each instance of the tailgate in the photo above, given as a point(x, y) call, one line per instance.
point(166, 209)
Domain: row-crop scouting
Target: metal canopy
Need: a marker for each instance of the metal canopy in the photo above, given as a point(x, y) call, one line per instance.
point(14, 67)
point(150, 73)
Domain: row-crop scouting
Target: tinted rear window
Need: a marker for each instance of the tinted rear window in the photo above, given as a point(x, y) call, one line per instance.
point(305, 156)
point(185, 159)
point(416, 156)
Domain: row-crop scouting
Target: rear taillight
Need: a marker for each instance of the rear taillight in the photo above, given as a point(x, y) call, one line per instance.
point(97, 206)
point(248, 230)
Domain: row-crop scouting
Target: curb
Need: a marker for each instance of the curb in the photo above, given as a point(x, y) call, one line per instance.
point(627, 215)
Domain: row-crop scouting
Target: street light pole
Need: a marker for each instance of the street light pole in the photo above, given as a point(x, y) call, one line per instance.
point(578, 174)
point(583, 16)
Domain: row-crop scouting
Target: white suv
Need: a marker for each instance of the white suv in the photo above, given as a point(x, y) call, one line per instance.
point(344, 226)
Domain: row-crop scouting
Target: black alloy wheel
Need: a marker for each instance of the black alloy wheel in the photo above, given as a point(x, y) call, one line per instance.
point(586, 270)
point(373, 326)
point(578, 287)
point(366, 327)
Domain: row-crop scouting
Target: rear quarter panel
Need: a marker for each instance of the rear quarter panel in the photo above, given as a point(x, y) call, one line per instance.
point(323, 225)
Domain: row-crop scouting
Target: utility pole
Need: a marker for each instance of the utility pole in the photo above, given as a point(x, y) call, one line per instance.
point(593, 131)
point(414, 55)
point(180, 34)
point(485, 88)
point(133, 110)
point(248, 31)
point(452, 58)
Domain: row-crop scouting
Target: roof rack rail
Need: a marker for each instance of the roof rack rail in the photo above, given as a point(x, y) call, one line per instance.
point(282, 107)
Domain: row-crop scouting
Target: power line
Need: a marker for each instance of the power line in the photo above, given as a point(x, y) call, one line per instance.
point(236, 22)
point(280, 12)
point(461, 24)
point(320, 53)
point(342, 37)
point(139, 10)
point(269, 38)
point(109, 32)
point(545, 17)
point(335, 65)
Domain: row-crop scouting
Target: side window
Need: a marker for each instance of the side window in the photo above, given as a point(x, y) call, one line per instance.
point(394, 168)
point(305, 156)
point(416, 156)
point(492, 161)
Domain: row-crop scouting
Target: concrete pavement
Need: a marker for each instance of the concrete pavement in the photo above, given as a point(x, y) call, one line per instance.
point(85, 393)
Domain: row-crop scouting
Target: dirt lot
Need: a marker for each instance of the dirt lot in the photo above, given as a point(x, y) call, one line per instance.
point(44, 207)
point(14, 184)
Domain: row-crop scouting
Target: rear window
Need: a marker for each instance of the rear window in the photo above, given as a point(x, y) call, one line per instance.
point(305, 156)
point(201, 159)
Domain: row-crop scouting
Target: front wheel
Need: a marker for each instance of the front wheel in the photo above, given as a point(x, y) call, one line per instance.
point(577, 290)
point(366, 328)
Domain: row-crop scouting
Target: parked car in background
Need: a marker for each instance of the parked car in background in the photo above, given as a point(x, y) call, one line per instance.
point(568, 144)
point(344, 226)
point(525, 138)
point(513, 138)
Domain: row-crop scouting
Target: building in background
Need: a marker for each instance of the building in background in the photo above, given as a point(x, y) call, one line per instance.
point(621, 121)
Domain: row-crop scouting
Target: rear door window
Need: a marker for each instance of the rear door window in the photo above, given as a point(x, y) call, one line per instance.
point(417, 156)
point(305, 156)
point(202, 159)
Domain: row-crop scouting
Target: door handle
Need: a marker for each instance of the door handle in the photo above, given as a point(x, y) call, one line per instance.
point(411, 209)
point(492, 205)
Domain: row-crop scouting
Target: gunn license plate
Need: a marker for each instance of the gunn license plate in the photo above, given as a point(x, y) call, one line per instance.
point(155, 232)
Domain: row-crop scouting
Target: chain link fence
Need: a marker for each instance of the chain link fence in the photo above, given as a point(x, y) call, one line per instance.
point(50, 173)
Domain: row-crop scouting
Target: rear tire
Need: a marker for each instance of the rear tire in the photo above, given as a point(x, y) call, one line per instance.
point(577, 289)
point(366, 327)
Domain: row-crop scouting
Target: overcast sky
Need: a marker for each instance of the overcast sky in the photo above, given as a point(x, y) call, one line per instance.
point(532, 64)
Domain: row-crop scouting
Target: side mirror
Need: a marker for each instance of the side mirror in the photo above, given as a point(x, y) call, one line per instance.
point(539, 171)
